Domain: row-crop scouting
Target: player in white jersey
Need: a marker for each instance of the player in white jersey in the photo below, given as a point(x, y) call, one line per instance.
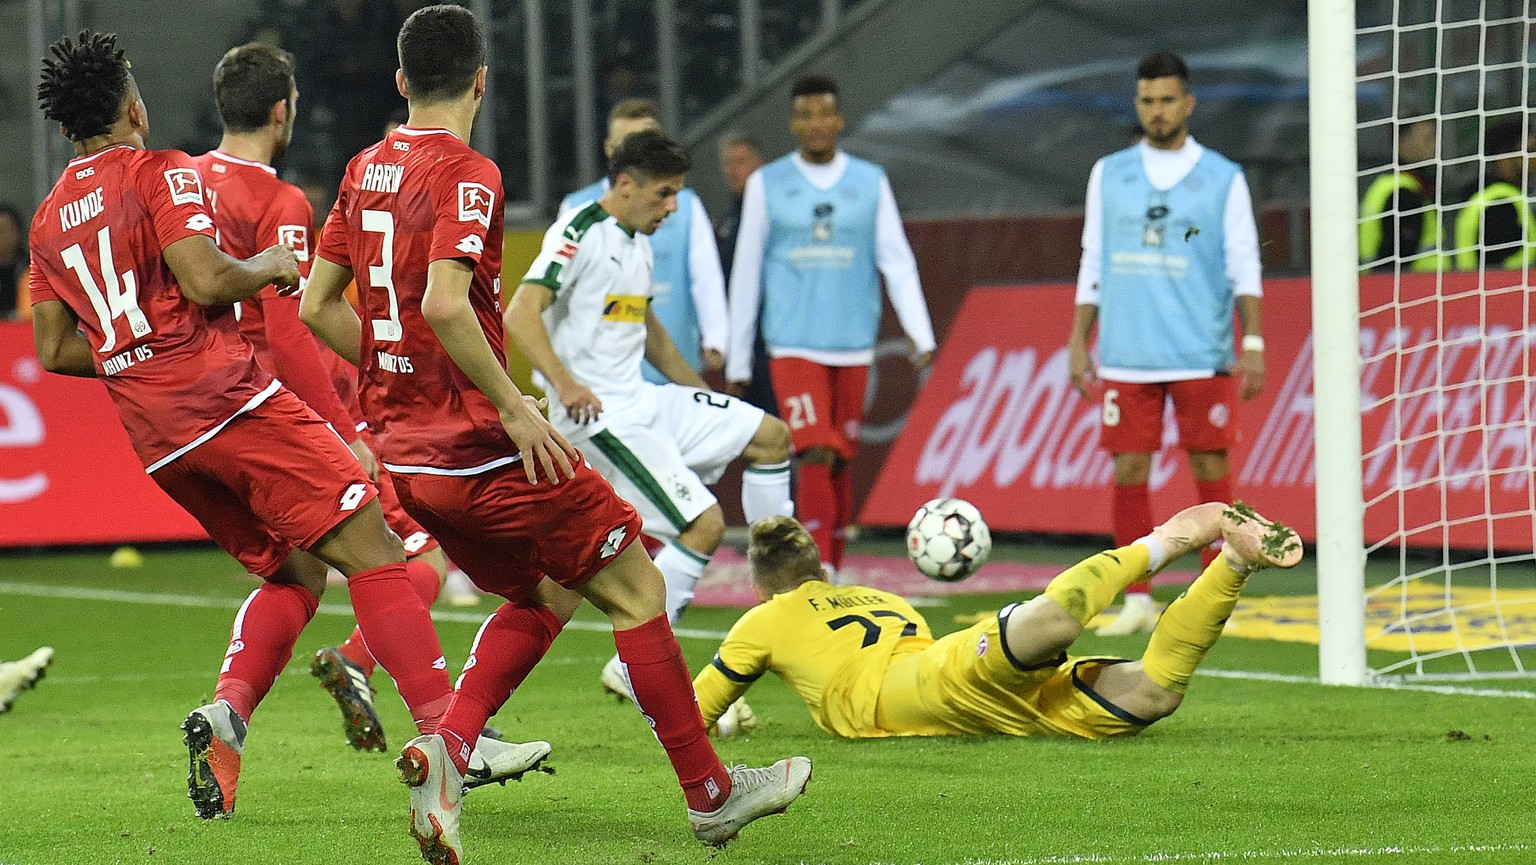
point(582, 317)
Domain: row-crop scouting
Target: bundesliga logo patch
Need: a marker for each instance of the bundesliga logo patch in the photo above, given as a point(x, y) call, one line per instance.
point(475, 202)
point(296, 236)
point(186, 186)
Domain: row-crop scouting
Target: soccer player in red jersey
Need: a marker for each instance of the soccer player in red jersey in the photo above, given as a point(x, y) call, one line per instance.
point(257, 97)
point(127, 282)
point(419, 221)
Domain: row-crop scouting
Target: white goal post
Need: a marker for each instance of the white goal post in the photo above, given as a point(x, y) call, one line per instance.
point(1340, 543)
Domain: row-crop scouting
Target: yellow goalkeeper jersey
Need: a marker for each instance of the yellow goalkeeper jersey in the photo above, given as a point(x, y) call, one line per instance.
point(831, 644)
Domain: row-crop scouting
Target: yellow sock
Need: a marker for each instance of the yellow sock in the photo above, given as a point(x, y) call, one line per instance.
point(1086, 588)
point(1190, 626)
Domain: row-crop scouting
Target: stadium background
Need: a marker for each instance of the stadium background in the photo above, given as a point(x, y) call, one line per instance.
point(987, 124)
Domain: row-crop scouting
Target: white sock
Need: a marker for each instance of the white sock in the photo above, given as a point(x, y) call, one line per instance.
point(1157, 553)
point(765, 492)
point(681, 568)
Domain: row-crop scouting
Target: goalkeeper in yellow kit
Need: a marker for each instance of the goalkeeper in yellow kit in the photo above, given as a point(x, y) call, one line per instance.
point(867, 666)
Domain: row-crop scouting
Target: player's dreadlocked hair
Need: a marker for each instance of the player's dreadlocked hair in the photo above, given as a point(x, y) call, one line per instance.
point(83, 84)
point(782, 554)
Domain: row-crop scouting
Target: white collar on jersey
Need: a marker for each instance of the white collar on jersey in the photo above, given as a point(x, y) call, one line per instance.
point(81, 160)
point(219, 154)
point(408, 130)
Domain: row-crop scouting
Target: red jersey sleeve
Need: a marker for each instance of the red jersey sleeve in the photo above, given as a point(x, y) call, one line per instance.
point(464, 197)
point(333, 246)
point(295, 356)
point(173, 193)
point(38, 289)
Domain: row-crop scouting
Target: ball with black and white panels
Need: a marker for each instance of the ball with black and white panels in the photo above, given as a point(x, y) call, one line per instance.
point(948, 540)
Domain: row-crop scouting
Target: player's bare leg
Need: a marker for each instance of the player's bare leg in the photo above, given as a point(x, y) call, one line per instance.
point(631, 593)
point(1155, 686)
point(1043, 627)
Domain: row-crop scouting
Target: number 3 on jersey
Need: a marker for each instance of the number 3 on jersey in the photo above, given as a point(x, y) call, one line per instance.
point(382, 275)
point(121, 297)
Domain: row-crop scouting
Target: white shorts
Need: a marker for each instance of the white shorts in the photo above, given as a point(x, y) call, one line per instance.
point(661, 450)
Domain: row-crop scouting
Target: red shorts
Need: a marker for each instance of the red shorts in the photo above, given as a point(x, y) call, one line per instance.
point(415, 538)
point(276, 478)
point(823, 405)
point(506, 533)
point(1133, 414)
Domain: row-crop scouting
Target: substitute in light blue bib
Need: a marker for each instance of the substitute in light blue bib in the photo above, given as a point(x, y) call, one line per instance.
point(1165, 302)
point(820, 286)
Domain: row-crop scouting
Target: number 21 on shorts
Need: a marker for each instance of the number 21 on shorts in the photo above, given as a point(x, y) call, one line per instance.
point(802, 411)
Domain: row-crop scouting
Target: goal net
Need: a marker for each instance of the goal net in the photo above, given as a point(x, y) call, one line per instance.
point(1426, 565)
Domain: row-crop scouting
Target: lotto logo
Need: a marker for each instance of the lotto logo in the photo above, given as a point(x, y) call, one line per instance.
point(186, 186)
point(296, 236)
point(471, 245)
point(611, 543)
point(199, 222)
point(475, 203)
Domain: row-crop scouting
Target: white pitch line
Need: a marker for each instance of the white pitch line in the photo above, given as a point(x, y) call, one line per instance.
point(41, 590)
point(1257, 855)
point(163, 599)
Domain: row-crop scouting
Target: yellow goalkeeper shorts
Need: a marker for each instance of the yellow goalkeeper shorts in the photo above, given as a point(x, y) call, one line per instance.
point(965, 683)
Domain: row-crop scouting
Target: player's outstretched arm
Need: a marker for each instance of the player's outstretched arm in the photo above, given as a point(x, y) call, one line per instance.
point(61, 348)
point(447, 309)
point(208, 277)
point(524, 322)
point(662, 352)
point(324, 309)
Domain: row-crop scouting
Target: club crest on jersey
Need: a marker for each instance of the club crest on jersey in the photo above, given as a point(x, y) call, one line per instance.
point(296, 236)
point(186, 186)
point(475, 202)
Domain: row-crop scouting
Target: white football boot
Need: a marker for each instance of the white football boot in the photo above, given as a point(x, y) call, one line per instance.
point(497, 762)
point(20, 675)
point(437, 795)
point(754, 793)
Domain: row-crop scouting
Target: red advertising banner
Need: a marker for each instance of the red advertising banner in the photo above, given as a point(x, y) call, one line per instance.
point(1447, 407)
point(67, 472)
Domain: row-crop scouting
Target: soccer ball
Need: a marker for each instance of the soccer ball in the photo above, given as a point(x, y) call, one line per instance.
point(948, 540)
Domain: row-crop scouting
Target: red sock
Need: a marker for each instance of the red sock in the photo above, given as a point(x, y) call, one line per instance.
point(1213, 491)
point(261, 642)
point(816, 505)
point(426, 583)
point(1132, 520)
point(400, 635)
point(508, 646)
point(842, 490)
point(664, 692)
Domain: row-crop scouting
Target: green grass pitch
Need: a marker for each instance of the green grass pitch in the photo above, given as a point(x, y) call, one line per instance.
point(92, 769)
